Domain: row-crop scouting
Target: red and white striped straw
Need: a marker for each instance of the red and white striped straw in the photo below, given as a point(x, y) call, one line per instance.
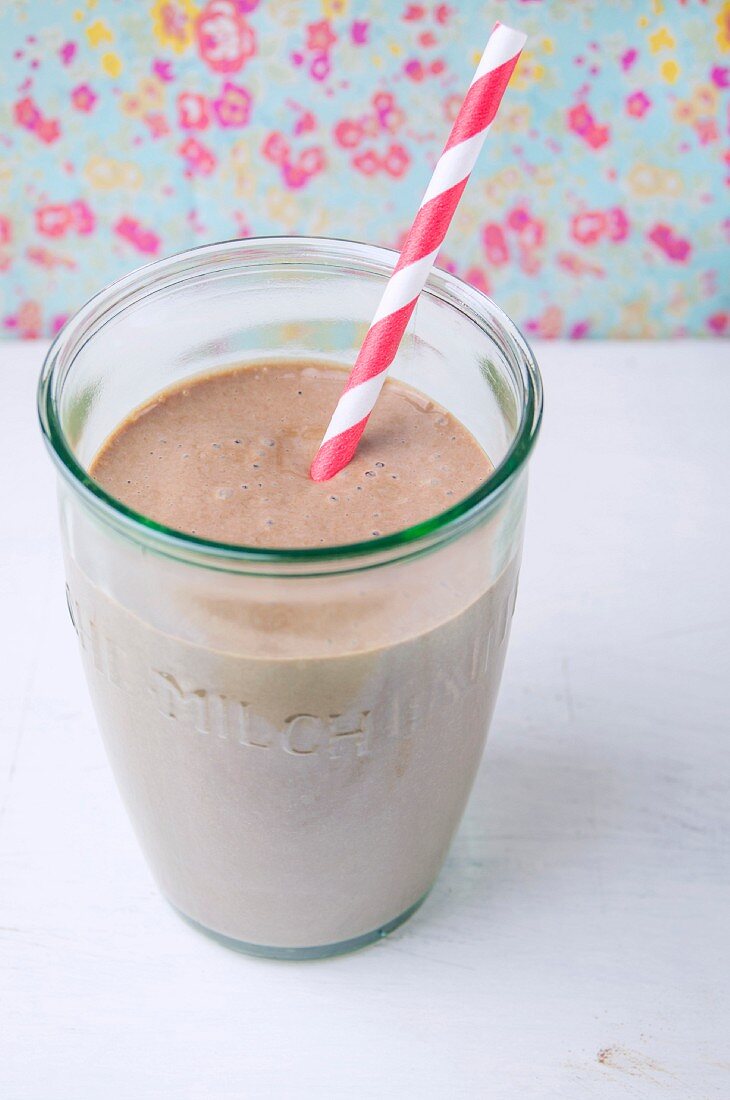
point(419, 252)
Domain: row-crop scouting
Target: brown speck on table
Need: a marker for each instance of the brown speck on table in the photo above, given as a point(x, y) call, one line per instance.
point(633, 1063)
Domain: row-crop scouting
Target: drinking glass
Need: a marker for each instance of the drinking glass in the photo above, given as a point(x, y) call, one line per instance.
point(294, 732)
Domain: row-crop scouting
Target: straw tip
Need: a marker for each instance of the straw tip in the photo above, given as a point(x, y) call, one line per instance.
point(517, 37)
point(320, 470)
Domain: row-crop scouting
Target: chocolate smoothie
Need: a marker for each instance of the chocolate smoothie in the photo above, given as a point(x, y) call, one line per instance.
point(227, 457)
point(295, 754)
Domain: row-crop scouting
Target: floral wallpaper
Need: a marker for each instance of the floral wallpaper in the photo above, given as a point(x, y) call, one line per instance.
point(130, 130)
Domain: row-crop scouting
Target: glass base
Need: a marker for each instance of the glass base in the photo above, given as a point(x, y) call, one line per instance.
point(321, 951)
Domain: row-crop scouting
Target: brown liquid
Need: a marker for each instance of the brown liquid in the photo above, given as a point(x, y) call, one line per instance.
point(295, 752)
point(227, 457)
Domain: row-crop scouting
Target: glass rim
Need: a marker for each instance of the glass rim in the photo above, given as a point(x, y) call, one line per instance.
point(465, 298)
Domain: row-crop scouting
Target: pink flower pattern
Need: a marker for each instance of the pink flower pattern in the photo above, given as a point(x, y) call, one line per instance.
point(599, 208)
point(226, 40)
point(83, 98)
point(233, 106)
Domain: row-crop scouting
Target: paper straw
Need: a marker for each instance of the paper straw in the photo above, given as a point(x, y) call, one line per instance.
point(419, 253)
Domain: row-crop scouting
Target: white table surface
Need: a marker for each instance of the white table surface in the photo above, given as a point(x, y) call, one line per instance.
point(576, 944)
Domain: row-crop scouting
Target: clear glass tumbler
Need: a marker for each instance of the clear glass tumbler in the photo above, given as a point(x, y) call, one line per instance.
point(294, 732)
